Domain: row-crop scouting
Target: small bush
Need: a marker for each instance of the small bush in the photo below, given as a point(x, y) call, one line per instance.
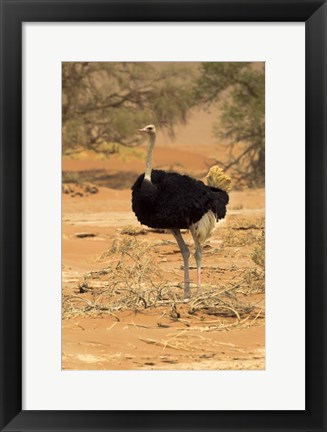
point(258, 255)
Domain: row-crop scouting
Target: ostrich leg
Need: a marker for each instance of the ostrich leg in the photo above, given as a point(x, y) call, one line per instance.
point(186, 254)
point(198, 255)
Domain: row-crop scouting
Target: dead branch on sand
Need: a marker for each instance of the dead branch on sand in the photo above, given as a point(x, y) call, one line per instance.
point(132, 279)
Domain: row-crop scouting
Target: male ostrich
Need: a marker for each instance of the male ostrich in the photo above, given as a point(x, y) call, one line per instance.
point(173, 201)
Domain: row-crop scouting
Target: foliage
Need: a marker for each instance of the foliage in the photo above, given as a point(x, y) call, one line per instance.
point(239, 90)
point(104, 104)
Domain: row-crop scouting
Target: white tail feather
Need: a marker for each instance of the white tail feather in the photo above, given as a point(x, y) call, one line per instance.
point(205, 226)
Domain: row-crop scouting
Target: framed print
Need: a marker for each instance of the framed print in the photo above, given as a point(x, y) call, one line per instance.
point(128, 131)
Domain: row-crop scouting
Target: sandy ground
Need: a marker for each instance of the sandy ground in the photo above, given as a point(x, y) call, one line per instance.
point(159, 336)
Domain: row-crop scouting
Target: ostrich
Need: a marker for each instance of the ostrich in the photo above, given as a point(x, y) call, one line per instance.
point(172, 201)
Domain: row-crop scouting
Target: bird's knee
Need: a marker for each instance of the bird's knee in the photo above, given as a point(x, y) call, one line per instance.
point(198, 255)
point(186, 253)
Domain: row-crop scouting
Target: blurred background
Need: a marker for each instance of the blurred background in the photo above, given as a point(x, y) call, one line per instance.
point(205, 113)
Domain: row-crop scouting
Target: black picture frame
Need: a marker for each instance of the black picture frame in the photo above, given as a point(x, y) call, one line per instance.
point(13, 14)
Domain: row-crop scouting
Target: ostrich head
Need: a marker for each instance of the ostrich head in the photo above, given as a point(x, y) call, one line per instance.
point(150, 129)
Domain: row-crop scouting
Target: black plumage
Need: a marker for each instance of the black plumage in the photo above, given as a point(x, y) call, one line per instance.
point(175, 201)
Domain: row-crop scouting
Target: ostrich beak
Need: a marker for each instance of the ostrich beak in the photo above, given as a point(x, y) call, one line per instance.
point(142, 130)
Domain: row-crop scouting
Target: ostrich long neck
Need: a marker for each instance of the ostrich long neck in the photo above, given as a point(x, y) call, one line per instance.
point(148, 167)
